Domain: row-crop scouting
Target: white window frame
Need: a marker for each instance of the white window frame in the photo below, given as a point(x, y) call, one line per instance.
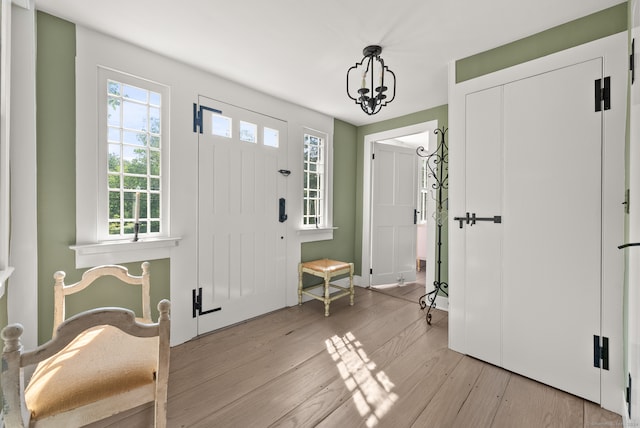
point(94, 245)
point(324, 231)
point(5, 183)
point(105, 76)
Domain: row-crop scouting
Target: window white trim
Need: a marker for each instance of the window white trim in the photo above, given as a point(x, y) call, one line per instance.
point(93, 243)
point(310, 233)
point(5, 120)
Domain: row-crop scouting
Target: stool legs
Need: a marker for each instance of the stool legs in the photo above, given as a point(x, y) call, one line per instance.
point(300, 284)
point(327, 295)
point(351, 289)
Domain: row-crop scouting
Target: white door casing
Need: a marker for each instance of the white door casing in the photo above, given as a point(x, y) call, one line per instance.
point(608, 269)
point(367, 189)
point(241, 240)
point(393, 229)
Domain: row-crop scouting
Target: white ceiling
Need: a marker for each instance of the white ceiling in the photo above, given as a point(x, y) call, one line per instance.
point(300, 50)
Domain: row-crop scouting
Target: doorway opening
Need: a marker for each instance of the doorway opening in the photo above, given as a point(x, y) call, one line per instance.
point(423, 261)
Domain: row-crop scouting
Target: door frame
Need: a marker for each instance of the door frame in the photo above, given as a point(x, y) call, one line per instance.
point(613, 50)
point(428, 127)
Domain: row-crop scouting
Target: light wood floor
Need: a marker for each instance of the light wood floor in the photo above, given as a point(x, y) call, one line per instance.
point(376, 364)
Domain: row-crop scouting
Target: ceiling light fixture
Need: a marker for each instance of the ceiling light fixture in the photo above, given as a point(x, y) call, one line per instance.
point(372, 92)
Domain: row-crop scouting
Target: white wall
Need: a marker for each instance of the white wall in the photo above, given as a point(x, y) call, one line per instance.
point(186, 84)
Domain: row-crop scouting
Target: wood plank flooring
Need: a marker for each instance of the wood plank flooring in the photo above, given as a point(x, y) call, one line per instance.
point(376, 364)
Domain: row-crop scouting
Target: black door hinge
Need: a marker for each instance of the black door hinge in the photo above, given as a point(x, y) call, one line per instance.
point(601, 352)
point(603, 94)
point(196, 308)
point(197, 116)
point(371, 271)
point(628, 397)
point(632, 61)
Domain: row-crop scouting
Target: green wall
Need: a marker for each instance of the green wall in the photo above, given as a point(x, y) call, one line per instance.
point(344, 199)
point(589, 28)
point(56, 140)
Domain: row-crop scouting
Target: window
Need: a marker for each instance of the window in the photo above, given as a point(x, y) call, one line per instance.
point(134, 142)
point(314, 212)
point(424, 191)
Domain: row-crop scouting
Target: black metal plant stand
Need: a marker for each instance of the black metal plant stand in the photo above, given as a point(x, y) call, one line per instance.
point(437, 162)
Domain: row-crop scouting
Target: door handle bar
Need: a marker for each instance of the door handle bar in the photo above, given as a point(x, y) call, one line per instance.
point(472, 219)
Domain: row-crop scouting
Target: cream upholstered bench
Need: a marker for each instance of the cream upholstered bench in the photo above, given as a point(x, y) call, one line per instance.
point(98, 363)
point(326, 269)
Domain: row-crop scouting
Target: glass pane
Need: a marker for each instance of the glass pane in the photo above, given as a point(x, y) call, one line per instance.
point(128, 227)
point(114, 228)
point(135, 138)
point(155, 205)
point(114, 205)
point(154, 184)
point(155, 99)
point(113, 135)
point(113, 111)
point(221, 125)
point(135, 93)
point(154, 141)
point(114, 158)
point(143, 227)
point(133, 183)
point(271, 137)
point(154, 164)
point(248, 132)
point(135, 116)
point(134, 160)
point(154, 120)
point(129, 204)
point(155, 226)
point(114, 181)
point(113, 88)
point(143, 205)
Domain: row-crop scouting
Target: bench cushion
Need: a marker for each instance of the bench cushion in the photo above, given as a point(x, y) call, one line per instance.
point(79, 374)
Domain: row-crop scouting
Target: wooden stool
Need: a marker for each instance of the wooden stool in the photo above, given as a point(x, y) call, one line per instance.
point(326, 269)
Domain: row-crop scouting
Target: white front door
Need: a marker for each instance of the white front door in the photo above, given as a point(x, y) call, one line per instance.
point(533, 280)
point(241, 235)
point(393, 225)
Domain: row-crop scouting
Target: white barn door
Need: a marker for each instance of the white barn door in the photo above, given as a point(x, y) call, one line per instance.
point(241, 234)
point(393, 225)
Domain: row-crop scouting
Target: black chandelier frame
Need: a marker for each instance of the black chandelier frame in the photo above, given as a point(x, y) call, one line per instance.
point(370, 103)
point(437, 162)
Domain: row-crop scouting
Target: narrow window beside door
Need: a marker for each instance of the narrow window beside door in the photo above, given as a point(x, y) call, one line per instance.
point(314, 180)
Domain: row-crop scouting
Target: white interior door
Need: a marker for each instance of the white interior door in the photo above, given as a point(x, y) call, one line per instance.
point(393, 225)
point(533, 281)
point(553, 228)
point(241, 240)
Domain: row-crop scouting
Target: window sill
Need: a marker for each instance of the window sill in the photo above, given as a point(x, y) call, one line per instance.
point(4, 275)
point(112, 252)
point(313, 234)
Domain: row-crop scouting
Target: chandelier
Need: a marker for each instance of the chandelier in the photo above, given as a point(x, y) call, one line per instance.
point(371, 93)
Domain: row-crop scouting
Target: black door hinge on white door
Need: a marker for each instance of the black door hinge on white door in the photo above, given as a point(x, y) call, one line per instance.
point(601, 352)
point(196, 306)
point(197, 116)
point(603, 94)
